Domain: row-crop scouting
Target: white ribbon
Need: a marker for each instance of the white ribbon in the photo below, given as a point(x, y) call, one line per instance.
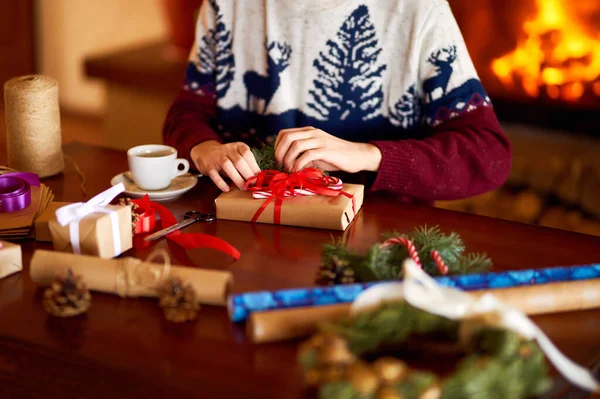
point(72, 214)
point(423, 292)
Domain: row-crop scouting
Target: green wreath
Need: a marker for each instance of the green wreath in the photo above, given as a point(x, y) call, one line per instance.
point(498, 362)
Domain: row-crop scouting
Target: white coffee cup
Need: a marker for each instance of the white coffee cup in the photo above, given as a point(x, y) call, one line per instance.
point(153, 166)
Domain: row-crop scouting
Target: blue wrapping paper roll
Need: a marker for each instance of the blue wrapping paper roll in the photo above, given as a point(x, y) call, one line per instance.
point(241, 305)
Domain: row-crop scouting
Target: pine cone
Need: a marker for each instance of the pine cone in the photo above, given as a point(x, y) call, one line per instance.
point(135, 217)
point(67, 296)
point(178, 301)
point(336, 271)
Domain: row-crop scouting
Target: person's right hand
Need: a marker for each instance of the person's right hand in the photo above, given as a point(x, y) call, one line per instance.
point(234, 160)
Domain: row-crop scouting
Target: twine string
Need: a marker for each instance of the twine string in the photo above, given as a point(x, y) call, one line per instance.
point(132, 274)
point(33, 131)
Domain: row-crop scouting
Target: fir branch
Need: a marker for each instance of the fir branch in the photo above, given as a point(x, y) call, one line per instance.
point(495, 357)
point(384, 264)
point(265, 158)
point(337, 251)
point(473, 263)
point(450, 247)
point(390, 324)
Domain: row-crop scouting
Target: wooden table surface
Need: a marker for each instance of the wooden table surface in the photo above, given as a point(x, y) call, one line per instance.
point(123, 348)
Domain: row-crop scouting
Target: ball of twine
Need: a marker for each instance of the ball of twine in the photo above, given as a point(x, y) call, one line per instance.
point(33, 125)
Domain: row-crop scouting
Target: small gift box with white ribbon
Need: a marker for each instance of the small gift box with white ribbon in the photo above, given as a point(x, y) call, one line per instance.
point(308, 198)
point(11, 260)
point(93, 227)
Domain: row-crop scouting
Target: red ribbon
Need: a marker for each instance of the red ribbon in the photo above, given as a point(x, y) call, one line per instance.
point(146, 216)
point(283, 186)
point(185, 240)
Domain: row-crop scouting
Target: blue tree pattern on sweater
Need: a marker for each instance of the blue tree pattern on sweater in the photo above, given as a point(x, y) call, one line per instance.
point(216, 62)
point(349, 85)
point(264, 87)
point(407, 112)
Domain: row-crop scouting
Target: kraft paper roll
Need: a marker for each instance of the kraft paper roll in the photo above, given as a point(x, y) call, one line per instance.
point(129, 276)
point(280, 325)
point(33, 132)
point(242, 304)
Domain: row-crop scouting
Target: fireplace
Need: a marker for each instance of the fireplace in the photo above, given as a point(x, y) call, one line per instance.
point(539, 60)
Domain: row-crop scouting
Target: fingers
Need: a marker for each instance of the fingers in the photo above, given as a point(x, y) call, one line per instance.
point(230, 170)
point(297, 148)
point(242, 166)
point(308, 159)
point(288, 138)
point(283, 132)
point(247, 154)
point(218, 180)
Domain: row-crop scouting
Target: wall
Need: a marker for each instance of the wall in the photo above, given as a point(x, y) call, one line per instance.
point(70, 30)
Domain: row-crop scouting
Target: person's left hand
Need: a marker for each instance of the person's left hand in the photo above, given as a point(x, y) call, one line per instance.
point(303, 147)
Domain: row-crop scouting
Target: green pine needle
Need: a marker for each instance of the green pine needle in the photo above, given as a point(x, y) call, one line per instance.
point(499, 363)
point(265, 158)
point(390, 324)
point(384, 264)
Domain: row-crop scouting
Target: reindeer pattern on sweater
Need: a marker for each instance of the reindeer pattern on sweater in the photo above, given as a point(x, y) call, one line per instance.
point(386, 67)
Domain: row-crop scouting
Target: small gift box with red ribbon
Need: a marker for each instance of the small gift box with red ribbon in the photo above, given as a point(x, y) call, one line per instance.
point(308, 198)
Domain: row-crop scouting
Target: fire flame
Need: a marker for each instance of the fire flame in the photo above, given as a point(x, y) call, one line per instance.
point(556, 54)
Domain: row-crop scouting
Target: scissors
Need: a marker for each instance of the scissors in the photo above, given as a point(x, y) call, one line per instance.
point(190, 217)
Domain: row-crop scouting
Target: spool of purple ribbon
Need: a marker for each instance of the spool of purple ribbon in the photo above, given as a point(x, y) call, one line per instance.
point(15, 190)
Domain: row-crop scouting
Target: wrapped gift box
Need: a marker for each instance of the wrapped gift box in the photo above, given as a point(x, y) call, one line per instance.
point(42, 231)
point(316, 211)
point(11, 260)
point(95, 233)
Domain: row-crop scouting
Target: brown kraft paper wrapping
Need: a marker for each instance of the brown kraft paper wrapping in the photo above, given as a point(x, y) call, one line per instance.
point(95, 233)
point(42, 230)
point(129, 276)
point(11, 260)
point(316, 211)
point(279, 325)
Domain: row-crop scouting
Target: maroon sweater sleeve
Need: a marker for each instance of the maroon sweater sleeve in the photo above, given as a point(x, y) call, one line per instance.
point(188, 122)
point(465, 156)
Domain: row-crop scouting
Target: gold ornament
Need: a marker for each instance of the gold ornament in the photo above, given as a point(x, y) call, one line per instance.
point(433, 392)
point(362, 377)
point(390, 369)
point(332, 373)
point(525, 351)
point(330, 349)
point(312, 377)
point(388, 393)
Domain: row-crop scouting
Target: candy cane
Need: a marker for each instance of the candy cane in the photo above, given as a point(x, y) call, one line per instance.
point(439, 262)
point(410, 247)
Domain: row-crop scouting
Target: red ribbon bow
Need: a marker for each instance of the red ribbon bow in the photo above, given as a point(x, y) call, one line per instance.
point(280, 186)
point(185, 240)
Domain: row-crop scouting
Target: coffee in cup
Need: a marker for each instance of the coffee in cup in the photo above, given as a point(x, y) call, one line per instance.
point(153, 166)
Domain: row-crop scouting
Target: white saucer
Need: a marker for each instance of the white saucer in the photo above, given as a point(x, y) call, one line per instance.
point(179, 185)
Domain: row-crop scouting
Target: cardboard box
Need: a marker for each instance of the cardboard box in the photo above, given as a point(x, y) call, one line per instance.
point(316, 211)
point(95, 233)
point(11, 260)
point(42, 231)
